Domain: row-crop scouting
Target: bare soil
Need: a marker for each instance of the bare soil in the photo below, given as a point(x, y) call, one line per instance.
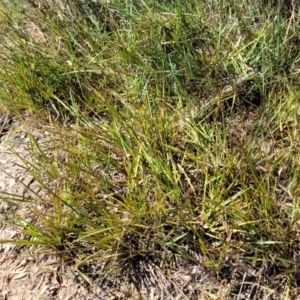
point(24, 273)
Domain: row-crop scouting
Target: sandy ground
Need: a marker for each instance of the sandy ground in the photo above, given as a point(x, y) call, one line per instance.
point(26, 273)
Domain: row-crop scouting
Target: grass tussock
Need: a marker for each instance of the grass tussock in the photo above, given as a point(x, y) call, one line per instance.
point(174, 139)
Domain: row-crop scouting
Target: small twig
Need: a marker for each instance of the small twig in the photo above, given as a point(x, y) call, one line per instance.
point(5, 121)
point(224, 94)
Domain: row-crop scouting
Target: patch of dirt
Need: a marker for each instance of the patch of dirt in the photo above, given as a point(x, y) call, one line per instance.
point(25, 272)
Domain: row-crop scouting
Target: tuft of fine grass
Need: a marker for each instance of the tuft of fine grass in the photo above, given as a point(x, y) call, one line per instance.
point(174, 139)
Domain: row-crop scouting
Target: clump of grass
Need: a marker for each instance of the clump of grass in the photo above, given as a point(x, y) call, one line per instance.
point(183, 149)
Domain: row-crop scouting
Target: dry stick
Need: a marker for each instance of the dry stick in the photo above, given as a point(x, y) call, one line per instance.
point(205, 105)
point(5, 121)
point(223, 95)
